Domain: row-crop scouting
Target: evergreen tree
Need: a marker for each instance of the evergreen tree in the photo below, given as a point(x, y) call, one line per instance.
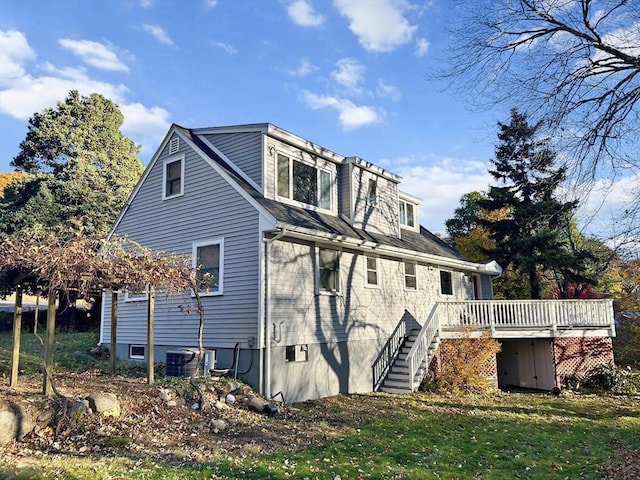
point(529, 238)
point(79, 168)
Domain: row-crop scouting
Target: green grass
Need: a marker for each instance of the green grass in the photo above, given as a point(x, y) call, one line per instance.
point(71, 351)
point(377, 436)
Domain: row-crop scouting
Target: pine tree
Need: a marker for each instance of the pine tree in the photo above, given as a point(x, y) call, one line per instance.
point(79, 167)
point(529, 238)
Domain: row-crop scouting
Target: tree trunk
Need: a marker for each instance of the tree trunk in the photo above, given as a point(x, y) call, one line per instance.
point(15, 348)
point(49, 344)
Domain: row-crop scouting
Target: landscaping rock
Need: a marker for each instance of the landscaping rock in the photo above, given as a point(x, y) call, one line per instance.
point(78, 409)
point(14, 424)
point(165, 394)
point(256, 404)
point(218, 425)
point(105, 404)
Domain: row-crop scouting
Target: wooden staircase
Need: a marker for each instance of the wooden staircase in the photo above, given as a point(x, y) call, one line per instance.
point(397, 379)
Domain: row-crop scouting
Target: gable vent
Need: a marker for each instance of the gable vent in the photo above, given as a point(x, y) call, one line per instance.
point(174, 146)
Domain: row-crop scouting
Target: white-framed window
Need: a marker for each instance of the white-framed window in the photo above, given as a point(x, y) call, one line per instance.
point(328, 270)
point(410, 276)
point(407, 214)
point(208, 259)
point(136, 352)
point(136, 296)
point(303, 183)
point(372, 192)
point(446, 282)
point(173, 177)
point(296, 353)
point(372, 271)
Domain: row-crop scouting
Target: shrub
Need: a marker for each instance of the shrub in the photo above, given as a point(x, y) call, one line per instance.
point(620, 380)
point(467, 364)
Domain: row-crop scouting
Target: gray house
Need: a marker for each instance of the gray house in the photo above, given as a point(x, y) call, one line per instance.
point(322, 279)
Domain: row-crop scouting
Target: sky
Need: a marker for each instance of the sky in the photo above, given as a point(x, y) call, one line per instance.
point(353, 76)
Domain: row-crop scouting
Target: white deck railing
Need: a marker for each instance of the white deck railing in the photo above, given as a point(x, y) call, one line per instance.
point(497, 315)
point(534, 314)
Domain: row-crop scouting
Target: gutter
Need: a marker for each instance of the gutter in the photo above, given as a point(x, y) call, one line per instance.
point(267, 311)
point(490, 268)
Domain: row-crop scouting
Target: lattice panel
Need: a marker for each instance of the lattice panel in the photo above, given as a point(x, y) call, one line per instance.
point(447, 348)
point(581, 355)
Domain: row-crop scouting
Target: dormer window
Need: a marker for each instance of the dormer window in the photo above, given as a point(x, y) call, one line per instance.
point(407, 214)
point(372, 192)
point(303, 183)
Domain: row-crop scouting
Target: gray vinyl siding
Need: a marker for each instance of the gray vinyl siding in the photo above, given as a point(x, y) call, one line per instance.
point(360, 312)
point(381, 217)
point(243, 149)
point(210, 208)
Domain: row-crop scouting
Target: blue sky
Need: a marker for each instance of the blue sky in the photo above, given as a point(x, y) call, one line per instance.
point(349, 75)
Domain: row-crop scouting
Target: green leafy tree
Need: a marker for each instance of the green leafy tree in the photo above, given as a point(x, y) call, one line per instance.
point(80, 170)
point(528, 237)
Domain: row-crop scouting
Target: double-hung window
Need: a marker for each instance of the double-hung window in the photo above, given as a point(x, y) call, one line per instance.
point(208, 257)
point(407, 214)
point(173, 177)
point(328, 262)
point(372, 275)
point(410, 276)
point(303, 183)
point(446, 282)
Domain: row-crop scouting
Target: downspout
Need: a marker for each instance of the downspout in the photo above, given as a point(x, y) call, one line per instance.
point(267, 312)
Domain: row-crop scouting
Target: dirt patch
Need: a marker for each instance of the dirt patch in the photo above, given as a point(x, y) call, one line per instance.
point(153, 424)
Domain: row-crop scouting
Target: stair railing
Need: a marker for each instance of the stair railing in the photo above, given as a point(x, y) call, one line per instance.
point(420, 350)
point(388, 354)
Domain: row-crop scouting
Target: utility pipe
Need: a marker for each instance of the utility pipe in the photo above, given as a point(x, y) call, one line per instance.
point(267, 312)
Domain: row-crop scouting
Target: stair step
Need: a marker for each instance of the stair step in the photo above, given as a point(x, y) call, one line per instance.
point(395, 390)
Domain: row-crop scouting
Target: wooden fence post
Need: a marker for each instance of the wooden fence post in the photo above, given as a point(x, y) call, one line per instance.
point(150, 327)
point(15, 348)
point(49, 343)
point(114, 327)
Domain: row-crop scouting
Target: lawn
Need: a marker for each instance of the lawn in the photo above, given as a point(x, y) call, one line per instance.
point(378, 436)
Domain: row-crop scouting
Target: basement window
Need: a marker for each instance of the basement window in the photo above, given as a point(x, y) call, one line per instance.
point(297, 353)
point(136, 352)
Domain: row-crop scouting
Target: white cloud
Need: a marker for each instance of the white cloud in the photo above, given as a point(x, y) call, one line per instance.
point(422, 47)
point(30, 94)
point(14, 51)
point(388, 91)
point(147, 125)
point(301, 12)
point(349, 73)
point(230, 49)
point(146, 3)
point(94, 54)
point(350, 115)
point(158, 33)
point(210, 3)
point(380, 25)
point(304, 68)
point(445, 178)
point(24, 93)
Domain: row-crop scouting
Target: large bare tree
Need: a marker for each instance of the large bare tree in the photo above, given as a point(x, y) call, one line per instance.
point(575, 63)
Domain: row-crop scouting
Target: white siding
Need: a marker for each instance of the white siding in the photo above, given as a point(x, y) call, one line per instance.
point(381, 217)
point(209, 208)
point(360, 312)
point(243, 149)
